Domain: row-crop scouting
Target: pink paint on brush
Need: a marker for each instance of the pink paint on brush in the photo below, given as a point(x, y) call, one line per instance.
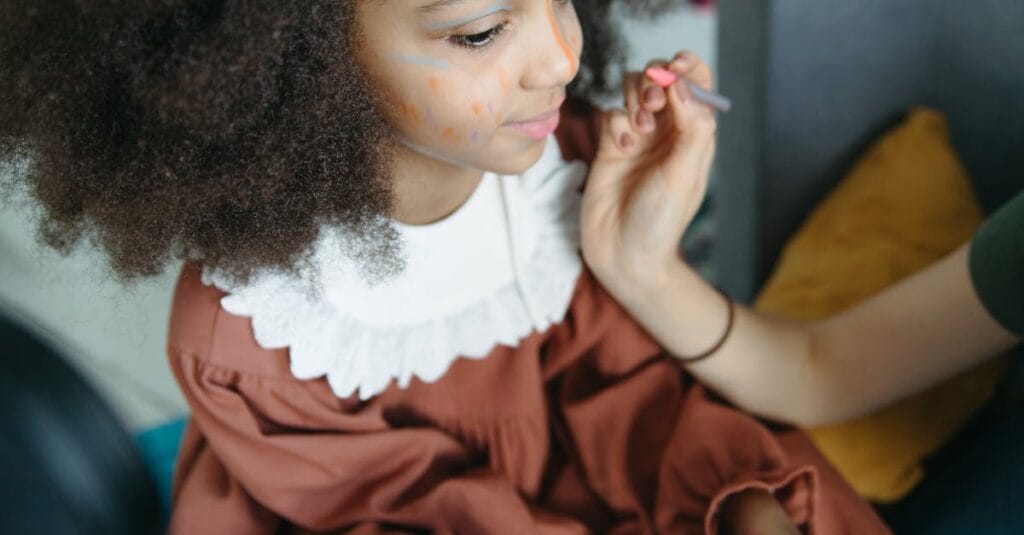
point(662, 77)
point(665, 78)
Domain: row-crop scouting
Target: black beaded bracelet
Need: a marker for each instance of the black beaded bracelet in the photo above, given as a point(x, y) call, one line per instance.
point(725, 336)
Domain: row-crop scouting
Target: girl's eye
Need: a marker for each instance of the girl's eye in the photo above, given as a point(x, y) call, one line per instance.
point(478, 40)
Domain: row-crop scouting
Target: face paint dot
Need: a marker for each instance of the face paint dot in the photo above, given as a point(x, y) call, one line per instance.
point(477, 108)
point(490, 108)
point(410, 111)
point(502, 78)
point(450, 135)
point(435, 85)
point(475, 136)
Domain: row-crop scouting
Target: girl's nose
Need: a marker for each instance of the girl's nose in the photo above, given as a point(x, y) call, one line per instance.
point(553, 62)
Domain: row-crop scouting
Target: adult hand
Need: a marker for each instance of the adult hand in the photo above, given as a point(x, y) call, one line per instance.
point(648, 178)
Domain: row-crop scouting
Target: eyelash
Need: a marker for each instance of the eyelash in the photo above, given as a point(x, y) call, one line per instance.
point(480, 41)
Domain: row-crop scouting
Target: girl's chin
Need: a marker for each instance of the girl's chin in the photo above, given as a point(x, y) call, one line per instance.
point(511, 155)
point(523, 159)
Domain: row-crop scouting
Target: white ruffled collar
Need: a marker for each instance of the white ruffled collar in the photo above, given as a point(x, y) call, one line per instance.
point(503, 265)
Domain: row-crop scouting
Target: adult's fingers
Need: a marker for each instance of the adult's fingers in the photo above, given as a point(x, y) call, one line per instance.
point(694, 127)
point(689, 65)
point(618, 138)
point(642, 119)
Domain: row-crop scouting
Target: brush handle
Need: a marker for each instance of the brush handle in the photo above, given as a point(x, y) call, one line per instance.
point(716, 101)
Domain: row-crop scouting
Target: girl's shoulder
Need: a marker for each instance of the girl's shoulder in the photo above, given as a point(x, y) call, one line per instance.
point(201, 329)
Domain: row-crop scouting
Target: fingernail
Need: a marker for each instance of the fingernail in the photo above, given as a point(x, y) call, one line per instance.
point(626, 141)
point(644, 119)
point(681, 64)
point(683, 90)
point(650, 94)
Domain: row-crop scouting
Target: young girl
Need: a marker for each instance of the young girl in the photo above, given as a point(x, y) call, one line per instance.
point(385, 322)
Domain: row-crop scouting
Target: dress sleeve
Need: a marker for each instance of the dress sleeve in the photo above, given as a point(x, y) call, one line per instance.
point(734, 454)
point(262, 451)
point(997, 265)
point(649, 438)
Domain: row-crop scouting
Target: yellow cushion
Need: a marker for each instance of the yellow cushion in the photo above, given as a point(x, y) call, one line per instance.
point(907, 203)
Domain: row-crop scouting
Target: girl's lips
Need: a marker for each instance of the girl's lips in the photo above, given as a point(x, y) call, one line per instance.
point(540, 127)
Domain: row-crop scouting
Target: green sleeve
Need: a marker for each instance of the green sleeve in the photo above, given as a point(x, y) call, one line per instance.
point(997, 264)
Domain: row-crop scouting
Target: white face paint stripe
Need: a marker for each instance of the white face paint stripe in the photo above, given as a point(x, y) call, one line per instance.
point(417, 60)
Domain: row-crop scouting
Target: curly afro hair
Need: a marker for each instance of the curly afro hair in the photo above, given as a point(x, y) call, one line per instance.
point(226, 130)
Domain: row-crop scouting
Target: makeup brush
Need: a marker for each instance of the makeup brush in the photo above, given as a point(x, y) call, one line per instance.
point(665, 78)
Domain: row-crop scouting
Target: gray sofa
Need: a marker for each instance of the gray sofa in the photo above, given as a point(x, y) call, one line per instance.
point(815, 80)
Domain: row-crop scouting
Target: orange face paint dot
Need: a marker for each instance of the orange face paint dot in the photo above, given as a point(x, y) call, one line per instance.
point(449, 134)
point(435, 85)
point(410, 111)
point(502, 78)
point(477, 108)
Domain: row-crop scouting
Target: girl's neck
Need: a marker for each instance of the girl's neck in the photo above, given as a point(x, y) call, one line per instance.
point(428, 189)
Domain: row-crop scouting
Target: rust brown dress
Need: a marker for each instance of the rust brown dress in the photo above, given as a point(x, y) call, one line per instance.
point(586, 427)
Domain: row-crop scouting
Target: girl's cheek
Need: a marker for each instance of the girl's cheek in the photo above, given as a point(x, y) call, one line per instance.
point(453, 116)
point(448, 106)
point(503, 83)
point(442, 103)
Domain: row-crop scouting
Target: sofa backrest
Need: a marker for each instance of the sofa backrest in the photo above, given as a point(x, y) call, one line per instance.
point(814, 81)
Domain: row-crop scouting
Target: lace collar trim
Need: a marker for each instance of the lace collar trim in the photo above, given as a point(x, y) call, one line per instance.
point(503, 265)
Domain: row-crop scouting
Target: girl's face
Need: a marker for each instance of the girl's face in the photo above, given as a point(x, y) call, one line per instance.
point(475, 83)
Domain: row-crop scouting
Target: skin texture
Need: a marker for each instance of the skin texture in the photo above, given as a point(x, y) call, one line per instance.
point(755, 512)
point(453, 123)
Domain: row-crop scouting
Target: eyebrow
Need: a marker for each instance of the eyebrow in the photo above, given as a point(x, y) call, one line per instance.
point(441, 4)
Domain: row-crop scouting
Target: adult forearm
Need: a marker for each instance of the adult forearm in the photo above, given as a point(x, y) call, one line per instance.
point(766, 365)
point(914, 334)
